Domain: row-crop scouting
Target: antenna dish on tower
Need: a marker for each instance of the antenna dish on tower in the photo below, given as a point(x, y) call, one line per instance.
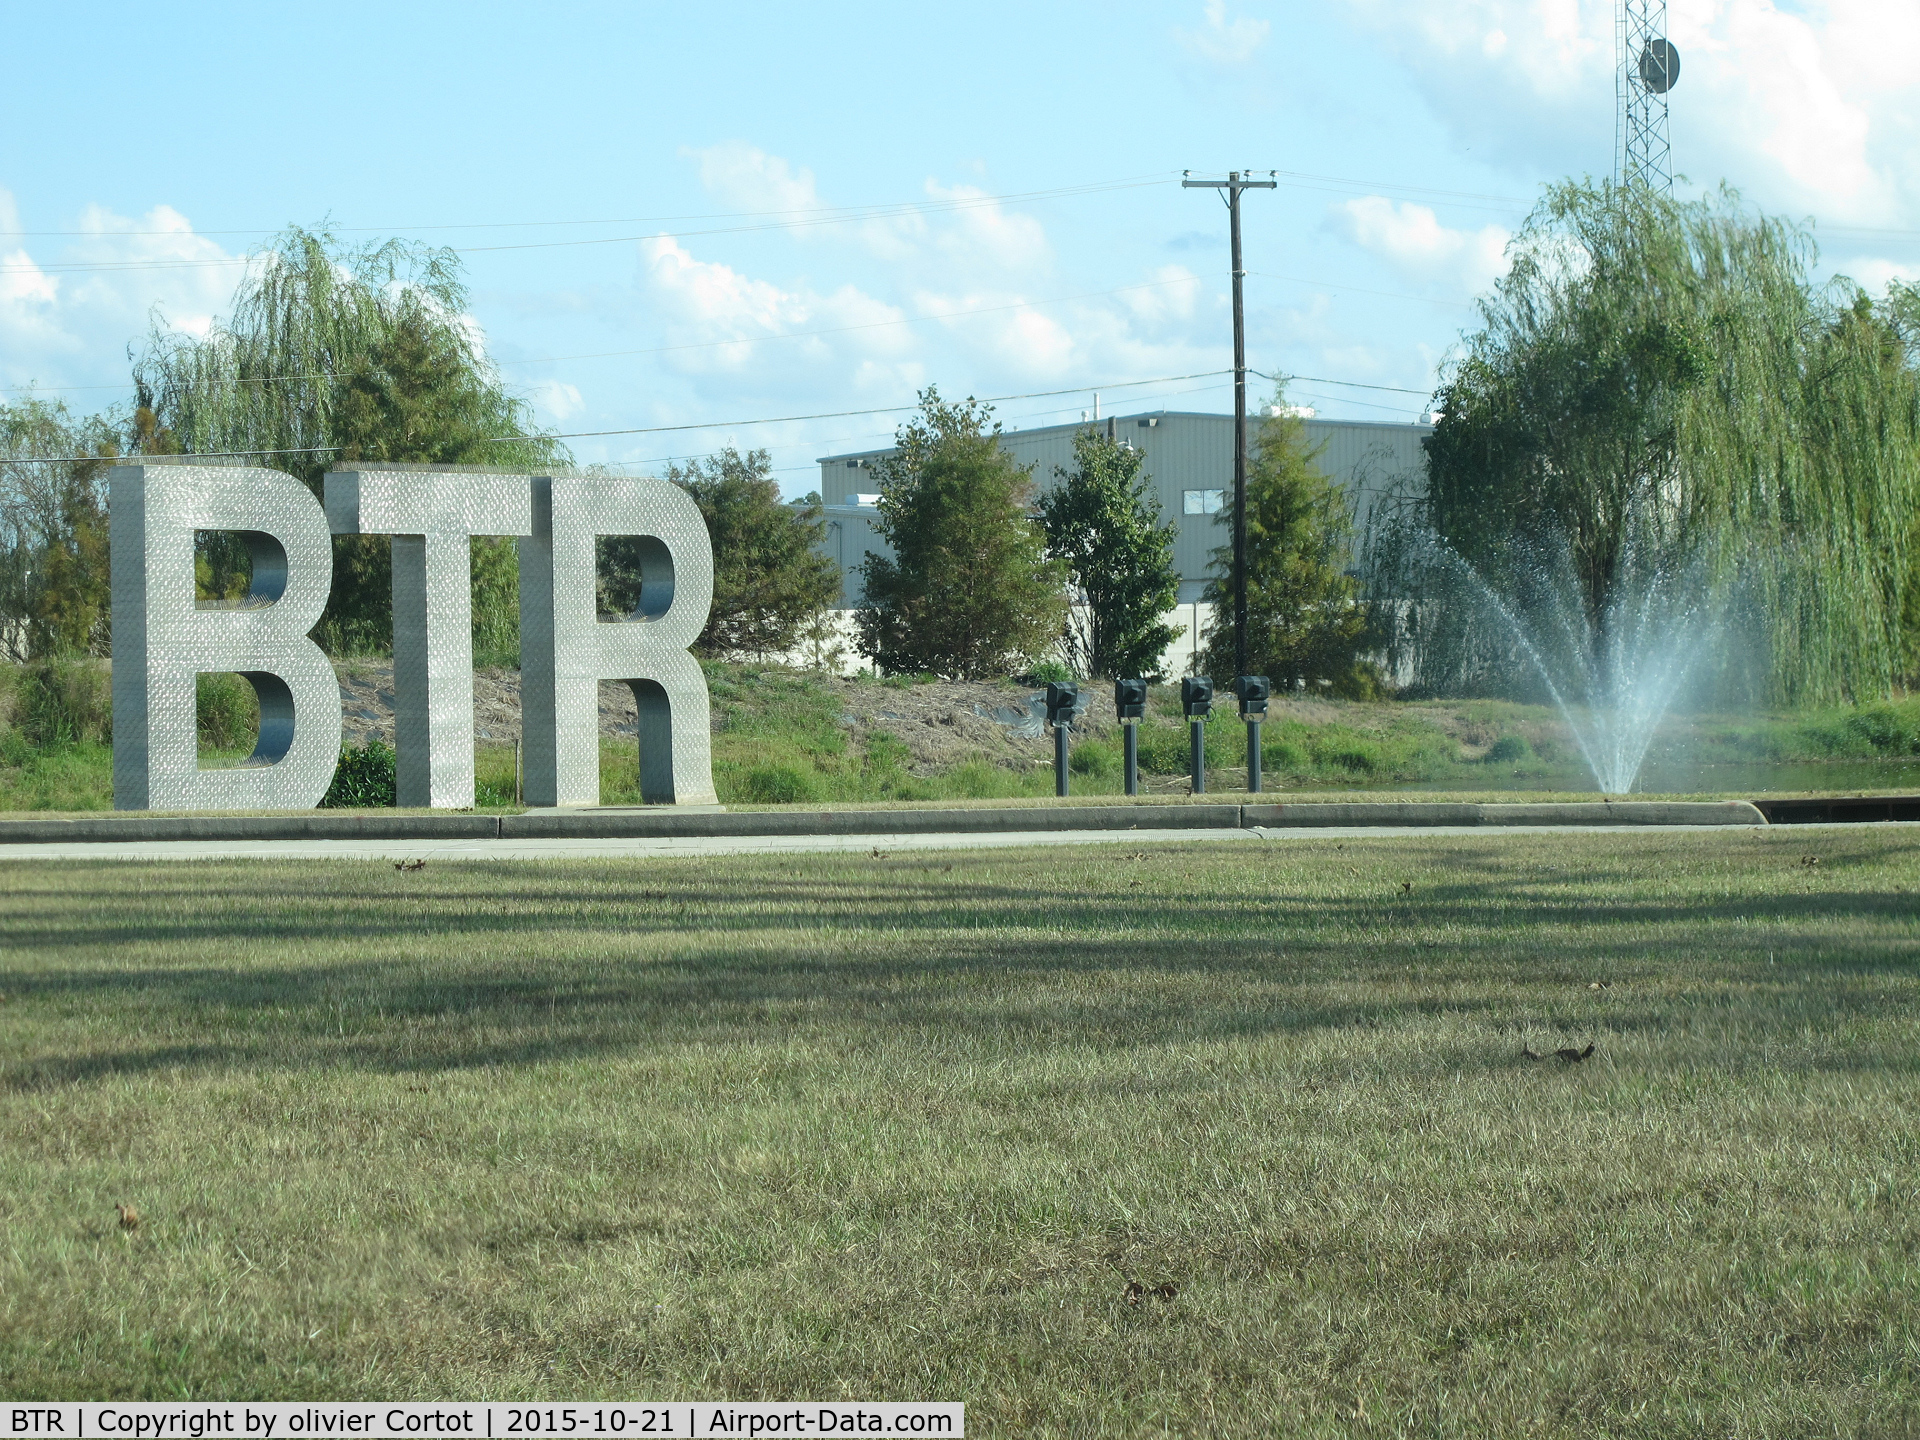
point(1659, 65)
point(1646, 67)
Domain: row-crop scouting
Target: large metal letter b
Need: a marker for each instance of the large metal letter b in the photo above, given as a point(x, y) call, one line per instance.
point(162, 639)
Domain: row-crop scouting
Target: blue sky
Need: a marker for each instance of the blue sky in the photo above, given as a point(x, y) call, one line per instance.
point(674, 215)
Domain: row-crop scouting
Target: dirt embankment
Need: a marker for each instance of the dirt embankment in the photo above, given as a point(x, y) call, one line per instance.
point(940, 723)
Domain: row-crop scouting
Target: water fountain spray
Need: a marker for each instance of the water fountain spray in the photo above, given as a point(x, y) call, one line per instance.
point(1612, 676)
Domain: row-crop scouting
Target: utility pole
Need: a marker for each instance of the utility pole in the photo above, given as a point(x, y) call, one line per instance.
point(1235, 182)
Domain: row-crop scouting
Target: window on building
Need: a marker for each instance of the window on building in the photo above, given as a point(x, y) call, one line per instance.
point(1202, 502)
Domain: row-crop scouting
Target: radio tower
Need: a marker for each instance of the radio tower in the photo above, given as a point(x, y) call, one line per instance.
point(1648, 67)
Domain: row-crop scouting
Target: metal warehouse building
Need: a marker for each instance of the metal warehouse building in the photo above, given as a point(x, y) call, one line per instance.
point(1189, 459)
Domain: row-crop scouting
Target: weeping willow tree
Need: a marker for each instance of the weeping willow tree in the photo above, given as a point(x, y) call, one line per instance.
point(337, 354)
point(1659, 387)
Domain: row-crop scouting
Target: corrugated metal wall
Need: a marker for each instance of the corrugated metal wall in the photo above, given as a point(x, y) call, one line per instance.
point(1184, 451)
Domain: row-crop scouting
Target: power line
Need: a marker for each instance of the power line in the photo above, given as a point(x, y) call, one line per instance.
point(971, 202)
point(635, 430)
point(877, 210)
point(1351, 384)
point(1361, 290)
point(1345, 400)
point(789, 335)
point(817, 443)
point(694, 345)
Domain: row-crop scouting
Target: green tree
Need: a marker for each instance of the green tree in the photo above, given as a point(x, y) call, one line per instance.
point(770, 578)
point(53, 530)
point(336, 354)
point(1103, 522)
point(969, 591)
point(1305, 616)
point(1658, 387)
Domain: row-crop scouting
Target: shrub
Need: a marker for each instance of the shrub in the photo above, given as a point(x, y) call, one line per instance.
point(1167, 749)
point(1102, 519)
point(981, 779)
point(885, 751)
point(1282, 758)
point(968, 590)
point(1164, 750)
point(1049, 672)
point(64, 702)
point(781, 785)
point(770, 580)
point(1094, 758)
point(364, 779)
point(1885, 730)
point(226, 712)
point(1507, 750)
point(1361, 759)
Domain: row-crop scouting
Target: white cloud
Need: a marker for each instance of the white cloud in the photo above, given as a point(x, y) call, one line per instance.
point(718, 314)
point(24, 283)
point(984, 231)
point(1220, 40)
point(1774, 71)
point(1801, 107)
point(1874, 274)
point(952, 290)
point(753, 181)
point(963, 233)
point(1174, 291)
point(1006, 334)
point(69, 312)
point(558, 400)
point(1413, 239)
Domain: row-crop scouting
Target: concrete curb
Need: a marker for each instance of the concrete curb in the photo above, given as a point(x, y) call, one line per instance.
point(666, 824)
point(300, 825)
point(1570, 812)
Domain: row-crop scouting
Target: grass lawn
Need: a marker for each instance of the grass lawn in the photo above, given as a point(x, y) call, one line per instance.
point(907, 1126)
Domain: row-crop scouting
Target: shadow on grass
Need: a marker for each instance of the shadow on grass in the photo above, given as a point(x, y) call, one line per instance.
point(486, 901)
point(479, 969)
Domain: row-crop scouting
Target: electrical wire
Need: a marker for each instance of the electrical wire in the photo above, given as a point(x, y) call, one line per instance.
point(1361, 290)
point(693, 345)
point(1283, 379)
point(633, 430)
point(971, 202)
point(878, 210)
point(785, 335)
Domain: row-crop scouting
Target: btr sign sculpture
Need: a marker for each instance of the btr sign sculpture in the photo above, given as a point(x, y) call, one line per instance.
point(163, 639)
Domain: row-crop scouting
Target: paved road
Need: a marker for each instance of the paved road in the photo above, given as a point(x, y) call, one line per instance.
point(785, 844)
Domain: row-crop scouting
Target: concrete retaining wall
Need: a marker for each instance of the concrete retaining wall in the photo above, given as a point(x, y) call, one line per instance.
point(666, 822)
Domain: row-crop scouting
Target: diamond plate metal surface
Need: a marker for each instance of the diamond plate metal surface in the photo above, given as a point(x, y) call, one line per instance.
point(162, 639)
point(566, 651)
point(431, 515)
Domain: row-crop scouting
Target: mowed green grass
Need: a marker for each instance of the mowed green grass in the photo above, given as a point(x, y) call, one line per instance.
point(905, 1126)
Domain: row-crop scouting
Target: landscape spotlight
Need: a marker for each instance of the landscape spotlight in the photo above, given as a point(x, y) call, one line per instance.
point(1196, 698)
point(1063, 703)
point(1130, 705)
point(1254, 691)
